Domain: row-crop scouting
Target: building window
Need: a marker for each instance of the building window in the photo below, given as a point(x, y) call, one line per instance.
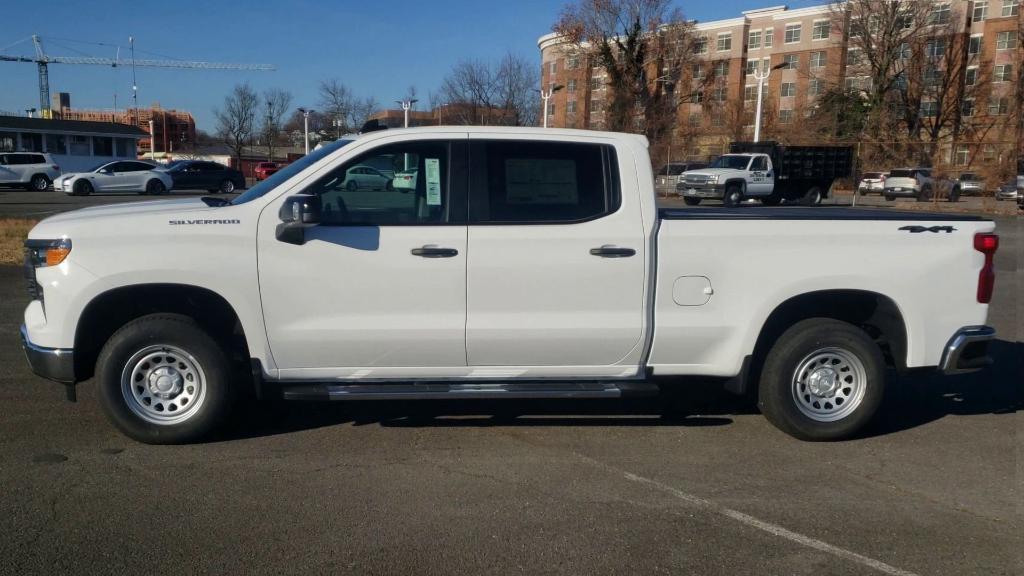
point(31, 142)
point(719, 94)
point(998, 106)
point(792, 33)
point(820, 30)
point(553, 67)
point(595, 84)
point(971, 76)
point(961, 155)
point(1011, 7)
point(932, 76)
point(7, 141)
point(79, 146)
point(791, 61)
point(725, 42)
point(1006, 40)
point(56, 144)
point(701, 45)
point(818, 59)
point(785, 116)
point(595, 106)
point(988, 153)
point(754, 39)
point(102, 146)
point(751, 66)
point(929, 109)
point(698, 97)
point(769, 37)
point(788, 89)
point(125, 147)
point(968, 108)
point(717, 120)
point(570, 86)
point(722, 69)
point(935, 48)
point(570, 107)
point(815, 86)
point(980, 10)
point(572, 62)
point(939, 15)
point(1001, 73)
point(694, 120)
point(974, 45)
point(749, 93)
point(853, 57)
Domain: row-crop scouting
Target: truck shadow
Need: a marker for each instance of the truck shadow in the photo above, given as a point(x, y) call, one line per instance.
point(914, 400)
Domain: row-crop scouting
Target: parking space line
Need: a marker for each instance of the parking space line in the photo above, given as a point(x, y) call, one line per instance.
point(751, 521)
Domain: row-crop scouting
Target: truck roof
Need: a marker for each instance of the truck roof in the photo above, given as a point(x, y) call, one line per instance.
point(526, 132)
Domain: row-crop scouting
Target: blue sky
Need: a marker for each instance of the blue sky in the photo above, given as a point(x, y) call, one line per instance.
point(377, 48)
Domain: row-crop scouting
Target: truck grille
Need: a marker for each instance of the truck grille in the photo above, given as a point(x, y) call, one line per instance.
point(35, 291)
point(696, 180)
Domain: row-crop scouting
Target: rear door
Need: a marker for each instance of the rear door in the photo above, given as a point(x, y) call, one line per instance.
point(557, 259)
point(8, 171)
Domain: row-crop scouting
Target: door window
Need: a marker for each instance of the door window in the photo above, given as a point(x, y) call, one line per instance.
point(760, 164)
point(541, 182)
point(364, 191)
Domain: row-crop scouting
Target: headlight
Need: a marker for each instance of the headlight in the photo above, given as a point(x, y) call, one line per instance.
point(42, 253)
point(713, 179)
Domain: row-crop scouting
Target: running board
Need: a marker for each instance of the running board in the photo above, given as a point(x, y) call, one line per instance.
point(462, 391)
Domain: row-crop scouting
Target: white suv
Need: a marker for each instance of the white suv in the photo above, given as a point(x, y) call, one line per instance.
point(33, 170)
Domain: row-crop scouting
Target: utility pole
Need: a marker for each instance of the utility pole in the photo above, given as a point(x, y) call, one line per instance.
point(545, 96)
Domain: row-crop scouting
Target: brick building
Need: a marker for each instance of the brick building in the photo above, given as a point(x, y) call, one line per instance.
point(717, 98)
point(172, 129)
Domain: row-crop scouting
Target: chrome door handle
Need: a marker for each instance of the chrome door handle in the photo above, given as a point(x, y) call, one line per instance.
point(609, 251)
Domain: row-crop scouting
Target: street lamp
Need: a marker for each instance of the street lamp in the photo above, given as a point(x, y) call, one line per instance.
point(305, 125)
point(545, 96)
point(670, 88)
point(406, 106)
point(338, 123)
point(761, 77)
point(152, 141)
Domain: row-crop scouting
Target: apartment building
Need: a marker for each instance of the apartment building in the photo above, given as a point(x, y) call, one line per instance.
point(805, 53)
point(168, 130)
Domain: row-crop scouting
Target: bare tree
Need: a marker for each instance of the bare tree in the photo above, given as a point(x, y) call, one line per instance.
point(478, 92)
point(645, 47)
point(236, 119)
point(336, 101)
point(276, 103)
point(360, 111)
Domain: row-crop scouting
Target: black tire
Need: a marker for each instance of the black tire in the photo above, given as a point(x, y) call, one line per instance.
point(691, 201)
point(733, 196)
point(351, 186)
point(771, 200)
point(226, 187)
point(81, 188)
point(390, 186)
point(39, 183)
point(889, 198)
point(924, 195)
point(160, 331)
point(802, 342)
point(954, 195)
point(155, 187)
point(812, 197)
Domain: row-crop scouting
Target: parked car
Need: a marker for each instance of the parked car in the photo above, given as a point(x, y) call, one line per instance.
point(117, 176)
point(871, 182)
point(769, 172)
point(359, 177)
point(263, 170)
point(969, 184)
point(916, 183)
point(204, 175)
point(33, 170)
point(671, 174)
point(405, 180)
point(1008, 191)
point(545, 280)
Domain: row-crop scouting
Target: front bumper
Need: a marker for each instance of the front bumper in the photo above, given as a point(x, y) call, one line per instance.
point(701, 190)
point(57, 364)
point(967, 350)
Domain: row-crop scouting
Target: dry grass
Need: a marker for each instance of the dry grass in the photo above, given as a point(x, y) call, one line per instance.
point(13, 232)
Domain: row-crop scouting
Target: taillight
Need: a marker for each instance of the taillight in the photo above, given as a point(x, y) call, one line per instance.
point(987, 244)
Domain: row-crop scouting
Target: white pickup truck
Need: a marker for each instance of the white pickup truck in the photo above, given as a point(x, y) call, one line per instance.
point(524, 263)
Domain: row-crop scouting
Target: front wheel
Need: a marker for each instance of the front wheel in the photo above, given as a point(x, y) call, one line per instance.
point(733, 196)
point(823, 379)
point(163, 380)
point(81, 188)
point(691, 201)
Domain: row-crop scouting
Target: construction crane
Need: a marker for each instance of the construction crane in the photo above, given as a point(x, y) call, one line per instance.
point(43, 60)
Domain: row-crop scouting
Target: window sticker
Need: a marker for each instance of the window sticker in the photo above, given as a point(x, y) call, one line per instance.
point(433, 168)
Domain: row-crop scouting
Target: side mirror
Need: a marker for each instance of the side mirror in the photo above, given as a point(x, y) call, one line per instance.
point(298, 213)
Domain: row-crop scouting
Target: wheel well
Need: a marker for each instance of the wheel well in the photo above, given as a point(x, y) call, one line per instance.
point(738, 181)
point(876, 314)
point(39, 174)
point(111, 310)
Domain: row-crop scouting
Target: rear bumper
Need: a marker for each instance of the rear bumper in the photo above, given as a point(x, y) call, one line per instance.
point(57, 364)
point(904, 193)
point(967, 350)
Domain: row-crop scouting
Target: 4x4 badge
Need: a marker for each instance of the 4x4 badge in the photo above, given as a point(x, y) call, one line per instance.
point(936, 229)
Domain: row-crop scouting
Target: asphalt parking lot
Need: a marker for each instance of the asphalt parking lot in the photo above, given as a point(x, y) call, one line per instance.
point(696, 482)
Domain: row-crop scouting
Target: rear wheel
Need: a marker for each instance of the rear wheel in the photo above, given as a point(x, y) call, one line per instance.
point(155, 187)
point(823, 379)
point(812, 197)
point(163, 380)
point(954, 195)
point(691, 201)
point(39, 183)
point(733, 196)
point(889, 198)
point(924, 195)
point(227, 187)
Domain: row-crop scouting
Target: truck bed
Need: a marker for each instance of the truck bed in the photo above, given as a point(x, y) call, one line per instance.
point(811, 213)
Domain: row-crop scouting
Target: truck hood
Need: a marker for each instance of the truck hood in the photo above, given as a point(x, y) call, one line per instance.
point(705, 172)
point(100, 219)
point(129, 208)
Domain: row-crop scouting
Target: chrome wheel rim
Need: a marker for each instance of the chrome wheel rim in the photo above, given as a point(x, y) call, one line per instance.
point(163, 385)
point(39, 184)
point(227, 187)
point(829, 384)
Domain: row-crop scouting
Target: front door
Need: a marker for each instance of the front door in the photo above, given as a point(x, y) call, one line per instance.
point(761, 181)
point(379, 288)
point(557, 260)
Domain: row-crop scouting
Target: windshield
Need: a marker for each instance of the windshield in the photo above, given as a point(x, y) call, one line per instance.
point(288, 171)
point(968, 177)
point(872, 175)
point(731, 161)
